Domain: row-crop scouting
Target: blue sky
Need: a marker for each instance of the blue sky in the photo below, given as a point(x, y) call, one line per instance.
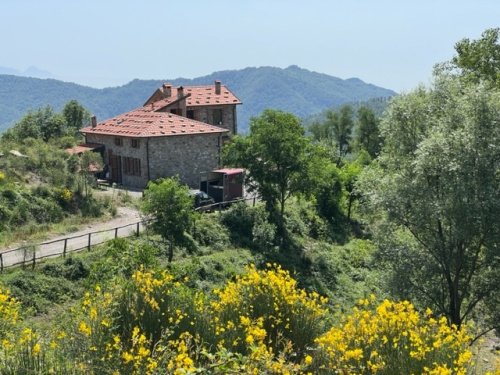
point(102, 43)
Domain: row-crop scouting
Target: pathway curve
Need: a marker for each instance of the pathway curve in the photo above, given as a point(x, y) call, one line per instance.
point(125, 220)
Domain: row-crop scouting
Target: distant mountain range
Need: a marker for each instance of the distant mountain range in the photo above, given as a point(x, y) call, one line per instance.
point(293, 89)
point(31, 71)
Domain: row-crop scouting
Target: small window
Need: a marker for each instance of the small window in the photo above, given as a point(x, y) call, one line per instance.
point(118, 142)
point(135, 143)
point(176, 111)
point(190, 113)
point(132, 166)
point(217, 116)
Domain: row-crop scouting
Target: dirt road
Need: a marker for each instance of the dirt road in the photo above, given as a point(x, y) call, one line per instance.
point(125, 220)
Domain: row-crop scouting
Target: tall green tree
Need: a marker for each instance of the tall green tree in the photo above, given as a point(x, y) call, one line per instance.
point(171, 209)
point(367, 132)
point(278, 157)
point(76, 115)
point(437, 182)
point(479, 60)
point(342, 130)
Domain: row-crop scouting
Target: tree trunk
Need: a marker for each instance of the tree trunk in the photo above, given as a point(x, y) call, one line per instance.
point(454, 310)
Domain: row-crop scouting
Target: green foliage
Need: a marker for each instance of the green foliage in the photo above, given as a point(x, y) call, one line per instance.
point(329, 194)
point(479, 60)
point(367, 132)
point(279, 159)
point(39, 292)
point(205, 272)
point(75, 115)
point(343, 273)
point(208, 231)
point(249, 227)
point(437, 183)
point(43, 123)
point(336, 128)
point(170, 207)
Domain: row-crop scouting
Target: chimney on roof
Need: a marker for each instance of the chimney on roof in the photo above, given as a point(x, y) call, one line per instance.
point(167, 90)
point(180, 92)
point(217, 87)
point(93, 121)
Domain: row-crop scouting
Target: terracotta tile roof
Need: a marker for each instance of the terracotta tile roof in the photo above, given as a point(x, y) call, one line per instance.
point(230, 171)
point(145, 122)
point(199, 96)
point(80, 149)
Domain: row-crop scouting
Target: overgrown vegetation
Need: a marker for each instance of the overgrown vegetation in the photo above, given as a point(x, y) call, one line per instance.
point(40, 183)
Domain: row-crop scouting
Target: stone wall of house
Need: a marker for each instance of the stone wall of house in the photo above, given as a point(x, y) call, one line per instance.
point(206, 115)
point(184, 155)
point(125, 150)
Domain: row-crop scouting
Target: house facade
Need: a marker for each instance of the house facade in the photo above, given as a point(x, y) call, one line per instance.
point(172, 134)
point(214, 105)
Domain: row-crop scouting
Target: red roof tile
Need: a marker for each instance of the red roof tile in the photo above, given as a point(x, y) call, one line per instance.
point(198, 96)
point(230, 171)
point(145, 122)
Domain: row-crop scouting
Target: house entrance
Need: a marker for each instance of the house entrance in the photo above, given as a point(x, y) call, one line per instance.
point(115, 164)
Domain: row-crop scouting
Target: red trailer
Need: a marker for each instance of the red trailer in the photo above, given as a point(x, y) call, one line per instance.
point(223, 185)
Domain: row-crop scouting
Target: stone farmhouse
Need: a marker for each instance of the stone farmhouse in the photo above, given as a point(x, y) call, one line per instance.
point(178, 131)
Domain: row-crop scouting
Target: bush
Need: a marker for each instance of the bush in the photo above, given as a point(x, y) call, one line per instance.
point(302, 219)
point(122, 257)
point(393, 338)
point(39, 292)
point(207, 231)
point(270, 296)
point(249, 226)
point(239, 220)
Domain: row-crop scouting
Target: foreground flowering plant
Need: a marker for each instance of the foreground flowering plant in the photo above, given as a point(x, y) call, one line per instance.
point(259, 323)
point(394, 338)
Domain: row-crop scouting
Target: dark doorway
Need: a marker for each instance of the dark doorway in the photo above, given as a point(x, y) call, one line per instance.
point(115, 164)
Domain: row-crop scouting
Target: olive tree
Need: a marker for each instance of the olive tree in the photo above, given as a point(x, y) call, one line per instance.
point(437, 183)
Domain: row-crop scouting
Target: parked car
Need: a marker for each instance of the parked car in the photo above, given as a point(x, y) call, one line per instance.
point(201, 199)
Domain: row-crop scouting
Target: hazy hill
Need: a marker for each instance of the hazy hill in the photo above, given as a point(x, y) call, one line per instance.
point(293, 89)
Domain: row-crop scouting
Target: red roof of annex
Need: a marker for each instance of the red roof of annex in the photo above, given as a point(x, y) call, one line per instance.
point(146, 122)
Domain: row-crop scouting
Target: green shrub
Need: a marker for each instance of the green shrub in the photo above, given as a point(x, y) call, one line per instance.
point(249, 226)
point(121, 257)
point(239, 220)
point(39, 292)
point(263, 232)
point(208, 231)
point(75, 269)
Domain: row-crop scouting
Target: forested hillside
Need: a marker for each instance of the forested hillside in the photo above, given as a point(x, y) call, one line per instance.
point(293, 89)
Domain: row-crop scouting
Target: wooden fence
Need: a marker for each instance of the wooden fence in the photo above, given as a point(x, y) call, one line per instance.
point(30, 254)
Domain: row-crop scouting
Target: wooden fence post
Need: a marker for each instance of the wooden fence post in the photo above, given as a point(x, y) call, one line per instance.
point(137, 233)
point(88, 246)
point(1, 262)
point(116, 232)
point(34, 258)
point(65, 247)
point(253, 201)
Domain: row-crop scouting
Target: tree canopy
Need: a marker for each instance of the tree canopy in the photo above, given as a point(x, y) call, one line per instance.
point(479, 60)
point(171, 209)
point(437, 180)
point(279, 158)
